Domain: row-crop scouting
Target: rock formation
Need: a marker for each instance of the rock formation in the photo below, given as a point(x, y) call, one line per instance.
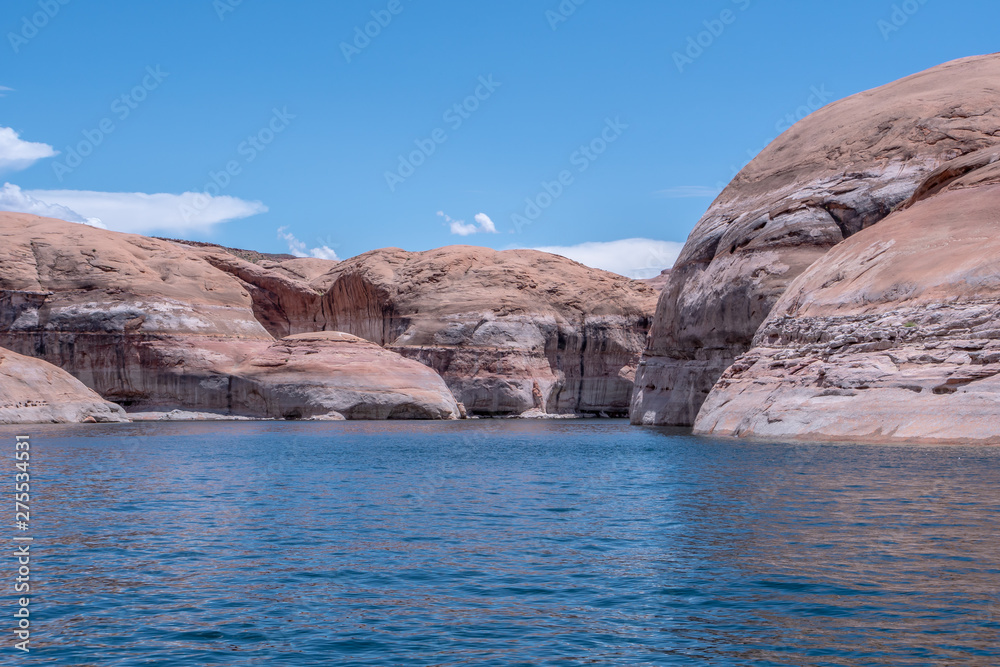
point(892, 336)
point(838, 172)
point(509, 331)
point(157, 326)
point(35, 392)
point(144, 322)
point(283, 297)
point(659, 282)
point(336, 374)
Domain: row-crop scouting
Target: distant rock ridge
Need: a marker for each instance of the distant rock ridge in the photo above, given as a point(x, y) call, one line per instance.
point(252, 256)
point(832, 176)
point(658, 282)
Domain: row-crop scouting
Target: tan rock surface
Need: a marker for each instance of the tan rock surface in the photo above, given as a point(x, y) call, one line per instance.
point(659, 282)
point(334, 374)
point(158, 326)
point(284, 300)
point(141, 321)
point(892, 336)
point(35, 392)
point(841, 170)
point(307, 269)
point(509, 331)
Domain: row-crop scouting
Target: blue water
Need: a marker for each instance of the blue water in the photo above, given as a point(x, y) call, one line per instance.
point(503, 543)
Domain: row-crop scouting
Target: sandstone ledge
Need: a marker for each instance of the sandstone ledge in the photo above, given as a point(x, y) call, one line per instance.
point(35, 392)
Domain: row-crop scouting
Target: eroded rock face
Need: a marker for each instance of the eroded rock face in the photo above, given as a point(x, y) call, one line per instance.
point(157, 325)
point(143, 322)
point(508, 331)
point(892, 336)
point(838, 172)
point(35, 392)
point(283, 298)
point(337, 375)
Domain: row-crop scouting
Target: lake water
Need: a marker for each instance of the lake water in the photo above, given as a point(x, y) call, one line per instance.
point(502, 543)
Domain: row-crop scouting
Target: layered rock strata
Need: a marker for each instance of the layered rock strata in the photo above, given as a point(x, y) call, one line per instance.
point(508, 331)
point(144, 322)
point(838, 172)
point(892, 336)
point(158, 326)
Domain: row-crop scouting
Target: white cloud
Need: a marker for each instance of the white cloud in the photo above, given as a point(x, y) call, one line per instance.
point(460, 228)
point(141, 213)
point(16, 154)
point(299, 249)
point(689, 192)
point(483, 225)
point(635, 258)
point(12, 198)
point(4, 90)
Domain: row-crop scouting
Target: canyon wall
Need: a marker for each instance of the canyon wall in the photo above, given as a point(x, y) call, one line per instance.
point(156, 325)
point(509, 331)
point(144, 322)
point(894, 335)
point(834, 174)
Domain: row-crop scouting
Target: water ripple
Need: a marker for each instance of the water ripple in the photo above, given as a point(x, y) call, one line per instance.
point(505, 543)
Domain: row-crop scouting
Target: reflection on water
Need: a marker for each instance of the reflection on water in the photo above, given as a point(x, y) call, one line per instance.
point(503, 543)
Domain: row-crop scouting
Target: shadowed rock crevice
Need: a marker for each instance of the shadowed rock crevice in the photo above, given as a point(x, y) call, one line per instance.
point(284, 303)
point(360, 306)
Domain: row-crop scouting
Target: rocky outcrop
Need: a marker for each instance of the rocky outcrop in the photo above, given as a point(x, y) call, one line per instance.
point(838, 172)
point(331, 374)
point(509, 331)
point(35, 392)
point(158, 326)
point(143, 322)
point(659, 282)
point(892, 336)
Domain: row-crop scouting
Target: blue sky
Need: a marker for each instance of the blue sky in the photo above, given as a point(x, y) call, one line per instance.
point(261, 104)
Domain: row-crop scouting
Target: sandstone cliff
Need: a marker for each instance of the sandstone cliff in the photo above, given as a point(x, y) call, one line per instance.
point(143, 322)
point(509, 331)
point(157, 325)
point(838, 172)
point(283, 295)
point(35, 392)
point(892, 336)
